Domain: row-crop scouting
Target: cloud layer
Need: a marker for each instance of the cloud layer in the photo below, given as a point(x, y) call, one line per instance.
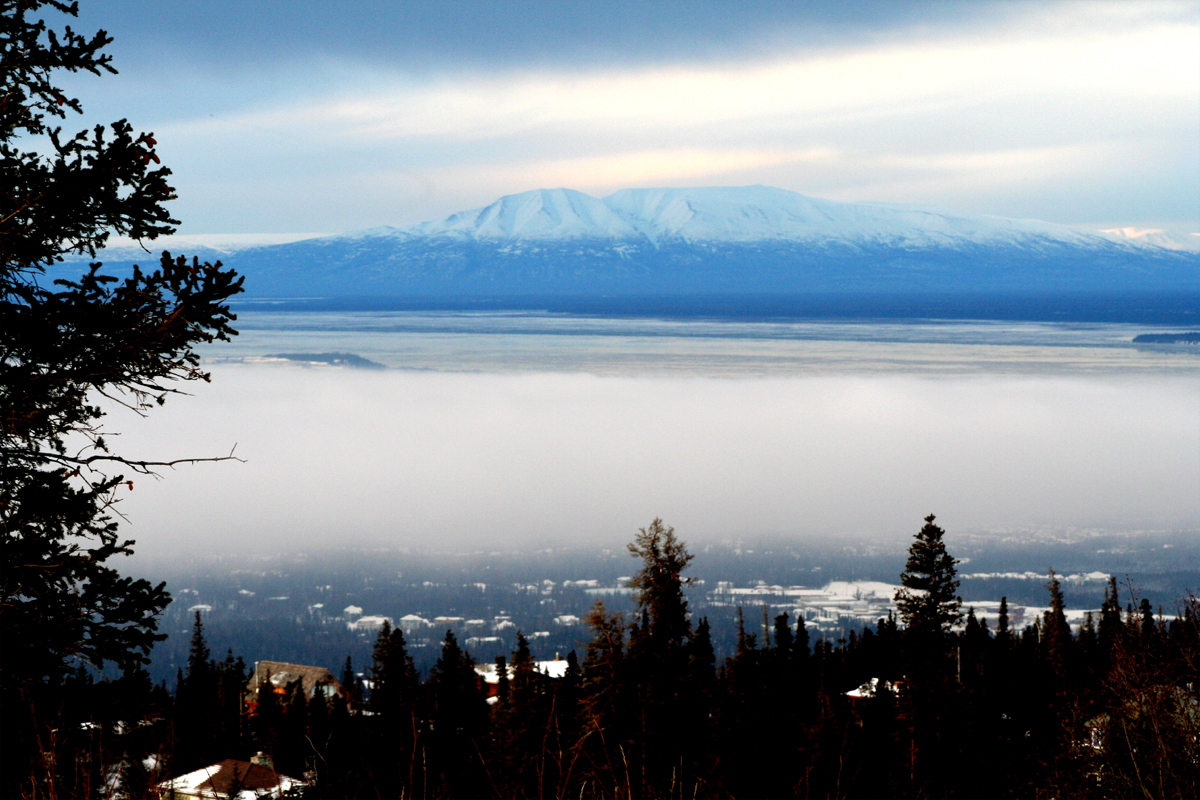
point(365, 114)
point(495, 462)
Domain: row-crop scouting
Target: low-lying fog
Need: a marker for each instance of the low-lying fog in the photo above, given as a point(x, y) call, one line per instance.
point(338, 457)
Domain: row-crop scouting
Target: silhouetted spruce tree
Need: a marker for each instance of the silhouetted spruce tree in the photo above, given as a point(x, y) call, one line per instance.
point(1003, 634)
point(928, 601)
point(65, 343)
point(659, 583)
point(1087, 647)
point(459, 723)
point(393, 729)
point(522, 749)
point(393, 676)
point(1063, 712)
point(701, 663)
point(1056, 635)
point(605, 707)
point(930, 607)
point(292, 750)
point(350, 682)
point(523, 688)
point(564, 738)
point(502, 683)
point(658, 660)
point(231, 679)
point(1111, 629)
point(196, 707)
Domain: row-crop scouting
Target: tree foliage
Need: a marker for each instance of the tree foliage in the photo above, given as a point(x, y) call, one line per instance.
point(658, 585)
point(69, 345)
point(929, 603)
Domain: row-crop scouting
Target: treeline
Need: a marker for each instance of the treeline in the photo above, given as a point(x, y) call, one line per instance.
point(942, 706)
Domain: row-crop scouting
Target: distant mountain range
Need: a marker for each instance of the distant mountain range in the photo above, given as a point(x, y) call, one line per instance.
point(752, 240)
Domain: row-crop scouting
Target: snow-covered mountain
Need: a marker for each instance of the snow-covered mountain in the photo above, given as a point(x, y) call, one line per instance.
point(715, 241)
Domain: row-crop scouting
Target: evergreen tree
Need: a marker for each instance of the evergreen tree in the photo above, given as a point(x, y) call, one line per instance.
point(351, 683)
point(392, 700)
point(1057, 633)
point(196, 706)
point(658, 585)
point(658, 660)
point(527, 749)
point(63, 343)
point(604, 706)
point(1003, 635)
point(928, 601)
point(524, 686)
point(459, 717)
point(59, 599)
point(929, 606)
point(783, 638)
point(198, 668)
point(231, 680)
point(701, 661)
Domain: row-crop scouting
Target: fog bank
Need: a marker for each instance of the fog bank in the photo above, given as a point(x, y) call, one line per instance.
point(425, 459)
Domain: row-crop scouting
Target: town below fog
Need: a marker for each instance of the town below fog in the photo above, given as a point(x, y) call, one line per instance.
point(320, 608)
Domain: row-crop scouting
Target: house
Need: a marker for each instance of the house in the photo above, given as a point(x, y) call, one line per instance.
point(370, 623)
point(489, 678)
point(279, 677)
point(870, 690)
point(243, 780)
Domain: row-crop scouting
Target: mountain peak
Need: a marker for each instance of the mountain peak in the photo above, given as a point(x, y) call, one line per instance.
point(538, 214)
point(653, 216)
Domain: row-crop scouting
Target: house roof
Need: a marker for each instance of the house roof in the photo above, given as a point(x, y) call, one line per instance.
point(551, 669)
point(280, 675)
point(218, 780)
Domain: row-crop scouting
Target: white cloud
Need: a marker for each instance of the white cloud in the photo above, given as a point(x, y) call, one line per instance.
point(1027, 119)
point(1142, 62)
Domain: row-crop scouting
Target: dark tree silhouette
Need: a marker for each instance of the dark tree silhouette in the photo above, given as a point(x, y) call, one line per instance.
point(928, 602)
point(658, 585)
point(930, 607)
point(65, 345)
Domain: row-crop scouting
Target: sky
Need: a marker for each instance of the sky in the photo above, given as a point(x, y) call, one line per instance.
point(325, 117)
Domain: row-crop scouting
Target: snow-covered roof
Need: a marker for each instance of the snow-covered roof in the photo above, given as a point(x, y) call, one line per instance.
point(217, 780)
point(869, 689)
point(551, 669)
point(281, 675)
point(372, 623)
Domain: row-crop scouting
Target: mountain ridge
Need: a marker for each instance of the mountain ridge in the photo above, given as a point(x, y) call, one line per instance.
point(717, 241)
point(744, 213)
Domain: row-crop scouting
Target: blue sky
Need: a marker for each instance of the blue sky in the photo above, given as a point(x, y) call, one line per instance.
point(328, 117)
